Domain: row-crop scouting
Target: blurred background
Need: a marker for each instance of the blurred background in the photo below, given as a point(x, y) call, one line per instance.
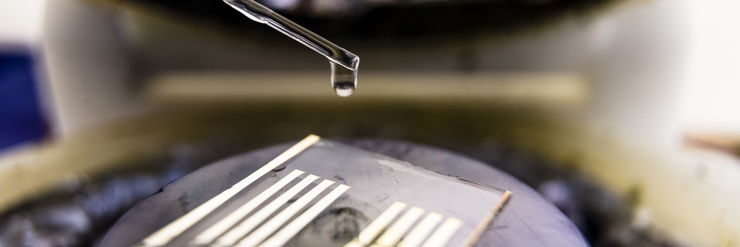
point(621, 113)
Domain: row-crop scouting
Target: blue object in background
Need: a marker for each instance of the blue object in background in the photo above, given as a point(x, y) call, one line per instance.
point(21, 117)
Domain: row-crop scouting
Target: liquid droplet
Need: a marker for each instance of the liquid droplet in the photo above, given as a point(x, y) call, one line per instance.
point(343, 80)
point(344, 89)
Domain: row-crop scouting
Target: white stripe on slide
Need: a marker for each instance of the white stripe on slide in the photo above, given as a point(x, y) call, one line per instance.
point(282, 237)
point(398, 229)
point(278, 220)
point(372, 230)
point(421, 231)
point(443, 234)
point(238, 232)
point(227, 222)
point(173, 229)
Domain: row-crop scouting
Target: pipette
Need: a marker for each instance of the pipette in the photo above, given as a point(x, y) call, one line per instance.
point(344, 64)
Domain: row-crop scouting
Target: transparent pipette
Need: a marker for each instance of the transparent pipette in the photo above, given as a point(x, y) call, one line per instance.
point(343, 77)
